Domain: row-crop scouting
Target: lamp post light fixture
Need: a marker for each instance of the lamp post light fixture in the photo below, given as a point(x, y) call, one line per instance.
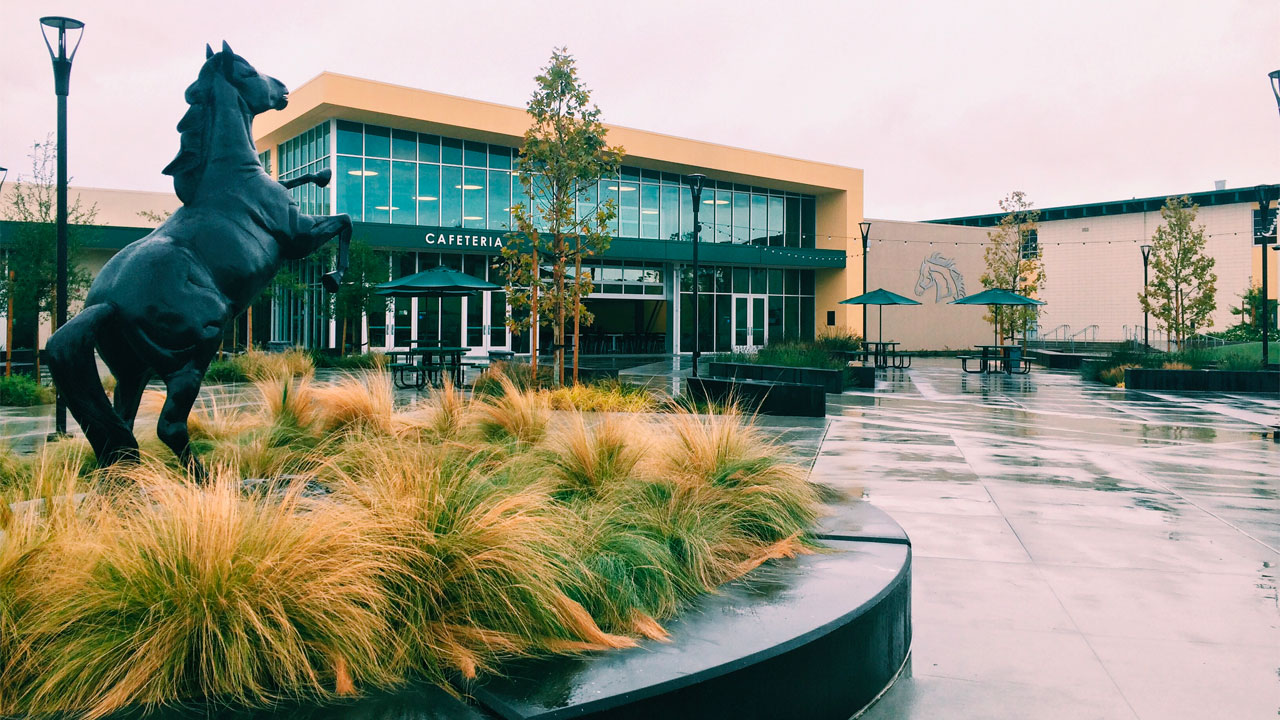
point(62, 59)
point(865, 228)
point(696, 181)
point(1274, 75)
point(1146, 316)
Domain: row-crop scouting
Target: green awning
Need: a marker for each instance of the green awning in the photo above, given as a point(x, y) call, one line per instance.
point(996, 296)
point(439, 281)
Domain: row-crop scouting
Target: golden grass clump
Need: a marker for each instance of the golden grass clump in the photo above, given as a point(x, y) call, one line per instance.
point(259, 365)
point(585, 460)
point(1175, 366)
point(431, 541)
point(513, 415)
point(1115, 375)
point(189, 591)
point(483, 567)
point(361, 401)
point(603, 397)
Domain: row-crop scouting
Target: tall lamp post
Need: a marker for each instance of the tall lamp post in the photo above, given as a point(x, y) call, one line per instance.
point(61, 85)
point(1263, 240)
point(696, 181)
point(8, 318)
point(865, 228)
point(1146, 316)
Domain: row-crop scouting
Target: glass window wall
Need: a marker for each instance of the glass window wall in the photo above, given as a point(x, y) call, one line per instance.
point(651, 205)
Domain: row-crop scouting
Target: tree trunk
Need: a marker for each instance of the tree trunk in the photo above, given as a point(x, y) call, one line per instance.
point(559, 331)
point(533, 326)
point(248, 330)
point(577, 307)
point(342, 342)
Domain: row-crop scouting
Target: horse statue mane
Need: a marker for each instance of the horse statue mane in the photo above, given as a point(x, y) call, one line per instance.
point(194, 128)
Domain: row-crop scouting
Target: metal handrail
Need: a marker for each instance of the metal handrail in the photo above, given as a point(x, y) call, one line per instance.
point(1062, 329)
point(1092, 330)
point(1207, 340)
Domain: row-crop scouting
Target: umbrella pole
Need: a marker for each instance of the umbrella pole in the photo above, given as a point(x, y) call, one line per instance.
point(881, 324)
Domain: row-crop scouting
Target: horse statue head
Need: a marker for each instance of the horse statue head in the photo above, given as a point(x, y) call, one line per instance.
point(224, 78)
point(940, 273)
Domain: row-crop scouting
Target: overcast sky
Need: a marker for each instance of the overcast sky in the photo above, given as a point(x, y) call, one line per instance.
point(946, 105)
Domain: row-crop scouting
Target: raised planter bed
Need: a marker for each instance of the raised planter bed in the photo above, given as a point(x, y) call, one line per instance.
point(1060, 360)
point(860, 376)
point(763, 396)
point(1248, 381)
point(832, 381)
point(818, 637)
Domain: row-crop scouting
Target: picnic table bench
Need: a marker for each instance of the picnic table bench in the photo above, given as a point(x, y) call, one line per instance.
point(1007, 359)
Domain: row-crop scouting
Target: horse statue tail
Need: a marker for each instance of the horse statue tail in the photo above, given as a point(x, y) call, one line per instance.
point(75, 374)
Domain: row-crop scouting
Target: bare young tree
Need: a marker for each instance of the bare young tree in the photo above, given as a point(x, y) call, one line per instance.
point(563, 158)
point(31, 276)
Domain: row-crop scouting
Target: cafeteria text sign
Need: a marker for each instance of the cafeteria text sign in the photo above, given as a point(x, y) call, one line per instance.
point(460, 240)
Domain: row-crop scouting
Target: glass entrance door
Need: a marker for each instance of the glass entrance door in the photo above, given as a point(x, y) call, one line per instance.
point(749, 323)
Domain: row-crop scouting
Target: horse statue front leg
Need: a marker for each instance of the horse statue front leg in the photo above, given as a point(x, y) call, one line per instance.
point(332, 280)
point(320, 179)
point(310, 232)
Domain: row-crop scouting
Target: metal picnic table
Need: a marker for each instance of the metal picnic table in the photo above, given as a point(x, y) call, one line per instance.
point(997, 358)
point(418, 364)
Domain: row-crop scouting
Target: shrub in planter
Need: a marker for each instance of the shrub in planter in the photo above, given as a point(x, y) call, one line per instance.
point(837, 339)
point(1114, 376)
point(22, 391)
point(256, 365)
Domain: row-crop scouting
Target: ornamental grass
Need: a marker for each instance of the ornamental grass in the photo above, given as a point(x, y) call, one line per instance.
point(344, 544)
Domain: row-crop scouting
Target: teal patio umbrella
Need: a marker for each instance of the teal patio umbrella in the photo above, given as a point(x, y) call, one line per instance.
point(439, 281)
point(880, 297)
point(997, 297)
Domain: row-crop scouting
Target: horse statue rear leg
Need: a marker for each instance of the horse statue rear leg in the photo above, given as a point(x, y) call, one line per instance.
point(182, 388)
point(75, 373)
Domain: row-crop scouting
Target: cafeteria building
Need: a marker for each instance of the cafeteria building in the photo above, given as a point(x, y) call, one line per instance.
point(429, 179)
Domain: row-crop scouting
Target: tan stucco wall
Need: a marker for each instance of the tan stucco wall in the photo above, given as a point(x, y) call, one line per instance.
point(1094, 268)
point(119, 208)
point(897, 251)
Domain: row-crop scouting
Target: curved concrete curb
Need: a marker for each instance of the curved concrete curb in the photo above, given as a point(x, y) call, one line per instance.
point(820, 636)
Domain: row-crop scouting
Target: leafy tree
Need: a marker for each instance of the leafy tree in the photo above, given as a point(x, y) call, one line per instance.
point(32, 277)
point(1182, 293)
point(1014, 263)
point(561, 162)
point(1251, 324)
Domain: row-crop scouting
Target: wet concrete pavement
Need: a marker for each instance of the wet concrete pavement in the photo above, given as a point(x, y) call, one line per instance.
point(1080, 551)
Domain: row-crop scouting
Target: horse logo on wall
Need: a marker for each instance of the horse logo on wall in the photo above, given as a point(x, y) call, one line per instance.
point(940, 273)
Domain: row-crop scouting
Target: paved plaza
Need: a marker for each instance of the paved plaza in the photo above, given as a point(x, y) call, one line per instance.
point(1080, 551)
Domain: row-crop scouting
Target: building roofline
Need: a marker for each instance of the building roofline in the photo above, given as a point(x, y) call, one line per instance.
point(1207, 198)
point(327, 92)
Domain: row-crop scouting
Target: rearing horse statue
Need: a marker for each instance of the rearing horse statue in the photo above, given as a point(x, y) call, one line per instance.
point(160, 305)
